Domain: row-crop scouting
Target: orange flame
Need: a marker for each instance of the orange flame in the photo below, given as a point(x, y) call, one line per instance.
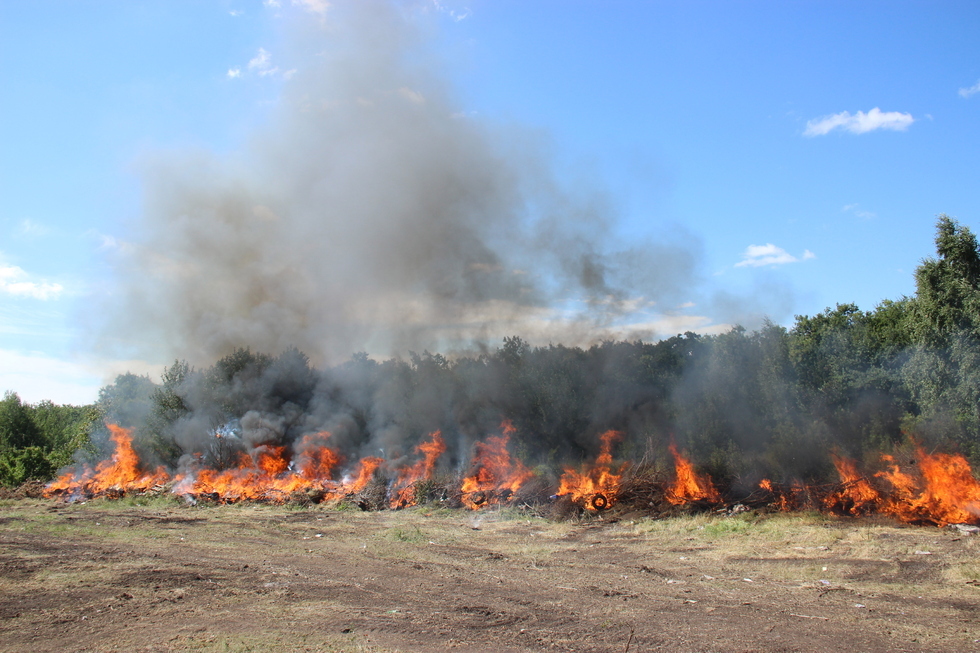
point(119, 474)
point(365, 473)
point(856, 497)
point(935, 488)
point(316, 462)
point(403, 489)
point(949, 493)
point(786, 499)
point(597, 487)
point(496, 476)
point(690, 486)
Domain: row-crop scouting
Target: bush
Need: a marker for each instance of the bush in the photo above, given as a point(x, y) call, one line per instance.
point(20, 465)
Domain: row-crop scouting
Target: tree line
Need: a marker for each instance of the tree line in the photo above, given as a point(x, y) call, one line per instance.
point(744, 404)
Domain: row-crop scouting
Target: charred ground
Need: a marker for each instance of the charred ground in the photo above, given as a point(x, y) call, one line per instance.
point(120, 576)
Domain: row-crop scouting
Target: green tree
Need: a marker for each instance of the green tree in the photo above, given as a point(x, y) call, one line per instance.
point(947, 300)
point(943, 370)
point(28, 463)
point(64, 429)
point(17, 428)
point(169, 405)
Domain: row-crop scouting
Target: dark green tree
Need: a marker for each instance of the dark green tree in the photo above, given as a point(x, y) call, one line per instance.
point(943, 370)
point(17, 426)
point(947, 300)
point(157, 434)
point(28, 463)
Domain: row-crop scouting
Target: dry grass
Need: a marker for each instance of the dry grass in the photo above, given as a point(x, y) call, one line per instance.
point(258, 577)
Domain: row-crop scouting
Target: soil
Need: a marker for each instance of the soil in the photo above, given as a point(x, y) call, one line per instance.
point(118, 576)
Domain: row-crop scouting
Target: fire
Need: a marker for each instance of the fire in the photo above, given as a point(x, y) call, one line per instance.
point(120, 473)
point(934, 488)
point(856, 496)
point(266, 473)
point(789, 498)
point(496, 476)
point(403, 489)
point(314, 461)
point(690, 486)
point(260, 476)
point(365, 473)
point(948, 492)
point(941, 490)
point(597, 487)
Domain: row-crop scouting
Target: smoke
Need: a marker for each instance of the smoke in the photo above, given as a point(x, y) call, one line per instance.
point(373, 214)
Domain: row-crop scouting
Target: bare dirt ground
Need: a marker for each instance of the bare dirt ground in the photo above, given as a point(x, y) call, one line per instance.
point(120, 576)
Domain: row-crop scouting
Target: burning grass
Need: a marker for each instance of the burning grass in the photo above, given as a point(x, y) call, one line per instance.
point(919, 487)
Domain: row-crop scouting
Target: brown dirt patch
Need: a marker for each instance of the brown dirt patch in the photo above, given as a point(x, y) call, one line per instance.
point(114, 576)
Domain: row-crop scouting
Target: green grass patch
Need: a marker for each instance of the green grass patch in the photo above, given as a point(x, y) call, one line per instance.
point(409, 533)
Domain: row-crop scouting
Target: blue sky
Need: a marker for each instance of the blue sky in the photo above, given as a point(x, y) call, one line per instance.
point(800, 150)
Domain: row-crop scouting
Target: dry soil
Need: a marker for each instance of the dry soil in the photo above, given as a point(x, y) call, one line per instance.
point(136, 575)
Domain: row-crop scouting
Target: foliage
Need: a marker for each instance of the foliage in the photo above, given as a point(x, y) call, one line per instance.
point(35, 440)
point(17, 428)
point(26, 463)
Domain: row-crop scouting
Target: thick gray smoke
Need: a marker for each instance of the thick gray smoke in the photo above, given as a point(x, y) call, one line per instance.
point(373, 214)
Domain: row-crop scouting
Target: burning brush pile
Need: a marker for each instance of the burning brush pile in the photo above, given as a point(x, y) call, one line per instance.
point(924, 488)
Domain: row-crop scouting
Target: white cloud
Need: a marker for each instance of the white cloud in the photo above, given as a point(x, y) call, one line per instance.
point(457, 16)
point(15, 281)
point(272, 4)
point(410, 95)
point(32, 229)
point(107, 242)
point(973, 90)
point(757, 256)
point(313, 6)
point(260, 63)
point(235, 12)
point(36, 377)
point(856, 210)
point(860, 122)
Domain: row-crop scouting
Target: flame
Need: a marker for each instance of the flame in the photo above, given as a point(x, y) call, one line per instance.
point(365, 472)
point(316, 462)
point(935, 488)
point(403, 489)
point(597, 487)
point(856, 496)
point(117, 475)
point(947, 494)
point(496, 476)
point(786, 499)
point(690, 486)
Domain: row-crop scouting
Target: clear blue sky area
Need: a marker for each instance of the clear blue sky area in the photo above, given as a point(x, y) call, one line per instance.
point(802, 149)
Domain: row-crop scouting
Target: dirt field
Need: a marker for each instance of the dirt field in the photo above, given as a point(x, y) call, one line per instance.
point(119, 576)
